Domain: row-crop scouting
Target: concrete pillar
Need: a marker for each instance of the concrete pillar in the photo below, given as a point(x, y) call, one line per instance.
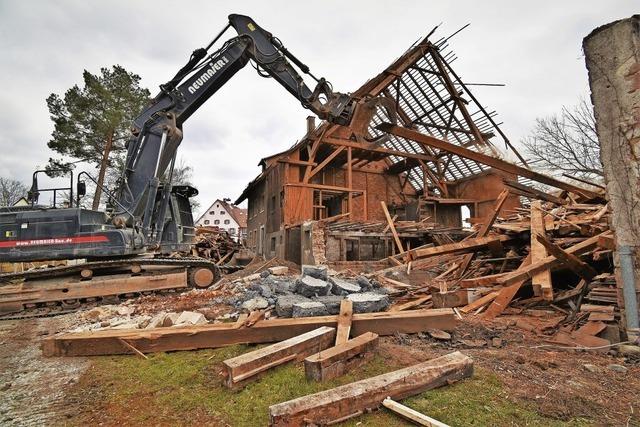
point(612, 54)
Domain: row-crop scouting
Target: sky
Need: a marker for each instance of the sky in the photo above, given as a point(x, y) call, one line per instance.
point(534, 48)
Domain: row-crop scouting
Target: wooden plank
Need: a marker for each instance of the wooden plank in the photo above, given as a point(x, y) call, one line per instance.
point(105, 342)
point(411, 415)
point(241, 369)
point(541, 280)
point(480, 302)
point(353, 399)
point(601, 317)
point(548, 262)
point(505, 295)
point(344, 321)
point(377, 149)
point(491, 161)
point(592, 328)
point(531, 192)
point(326, 161)
point(459, 247)
point(484, 228)
point(410, 304)
point(392, 226)
point(338, 360)
point(576, 265)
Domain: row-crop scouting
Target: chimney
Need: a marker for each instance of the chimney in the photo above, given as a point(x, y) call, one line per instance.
point(311, 124)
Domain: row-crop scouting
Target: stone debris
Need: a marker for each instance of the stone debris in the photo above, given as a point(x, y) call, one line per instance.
point(331, 302)
point(191, 318)
point(315, 271)
point(257, 303)
point(369, 302)
point(342, 287)
point(278, 271)
point(309, 309)
point(284, 304)
point(309, 286)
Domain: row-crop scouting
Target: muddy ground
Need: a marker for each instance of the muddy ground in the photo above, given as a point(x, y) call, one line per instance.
point(557, 384)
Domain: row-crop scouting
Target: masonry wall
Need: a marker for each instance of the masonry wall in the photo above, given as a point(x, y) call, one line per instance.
point(612, 54)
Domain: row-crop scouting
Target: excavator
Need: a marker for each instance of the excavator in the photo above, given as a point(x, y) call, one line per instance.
point(126, 250)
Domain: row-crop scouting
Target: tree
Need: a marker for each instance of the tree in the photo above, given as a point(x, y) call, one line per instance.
point(11, 191)
point(567, 142)
point(92, 122)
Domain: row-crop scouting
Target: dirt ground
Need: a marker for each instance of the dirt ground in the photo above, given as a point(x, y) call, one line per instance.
point(557, 384)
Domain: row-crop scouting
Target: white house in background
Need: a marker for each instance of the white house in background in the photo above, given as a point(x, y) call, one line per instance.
point(226, 216)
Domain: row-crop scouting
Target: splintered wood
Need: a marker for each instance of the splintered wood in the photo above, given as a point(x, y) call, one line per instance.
point(350, 400)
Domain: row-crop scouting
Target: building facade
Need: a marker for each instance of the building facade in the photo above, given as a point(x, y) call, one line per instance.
point(226, 216)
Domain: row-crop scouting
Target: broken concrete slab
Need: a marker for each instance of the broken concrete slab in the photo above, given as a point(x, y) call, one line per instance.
point(315, 271)
point(191, 318)
point(309, 286)
point(309, 309)
point(369, 302)
point(331, 302)
point(284, 304)
point(342, 287)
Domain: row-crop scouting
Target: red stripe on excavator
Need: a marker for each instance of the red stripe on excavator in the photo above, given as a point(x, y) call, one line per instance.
point(54, 241)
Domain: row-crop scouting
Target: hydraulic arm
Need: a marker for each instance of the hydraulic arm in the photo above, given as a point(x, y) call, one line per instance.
point(157, 131)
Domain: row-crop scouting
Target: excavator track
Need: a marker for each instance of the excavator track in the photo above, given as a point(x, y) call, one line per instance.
point(60, 290)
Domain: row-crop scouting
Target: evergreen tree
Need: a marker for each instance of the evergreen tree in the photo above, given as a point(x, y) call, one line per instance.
point(92, 123)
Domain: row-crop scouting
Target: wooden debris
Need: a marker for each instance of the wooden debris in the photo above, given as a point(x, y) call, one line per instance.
point(106, 341)
point(480, 302)
point(344, 321)
point(344, 402)
point(338, 360)
point(411, 414)
point(239, 370)
point(541, 280)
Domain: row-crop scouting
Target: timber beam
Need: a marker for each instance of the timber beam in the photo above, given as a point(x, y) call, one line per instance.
point(105, 342)
point(482, 158)
point(377, 149)
point(341, 403)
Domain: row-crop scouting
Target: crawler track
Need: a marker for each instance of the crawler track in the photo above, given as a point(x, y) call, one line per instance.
point(60, 290)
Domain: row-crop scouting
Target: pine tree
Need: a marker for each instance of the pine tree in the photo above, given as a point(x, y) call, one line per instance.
point(91, 123)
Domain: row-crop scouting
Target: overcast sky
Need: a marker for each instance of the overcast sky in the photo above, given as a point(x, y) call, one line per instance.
point(532, 47)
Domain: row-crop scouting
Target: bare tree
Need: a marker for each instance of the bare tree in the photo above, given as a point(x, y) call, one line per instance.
point(11, 191)
point(567, 142)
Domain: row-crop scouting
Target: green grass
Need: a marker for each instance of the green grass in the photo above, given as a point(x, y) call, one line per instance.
point(175, 386)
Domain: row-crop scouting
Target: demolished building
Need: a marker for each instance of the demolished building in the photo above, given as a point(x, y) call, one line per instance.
point(334, 173)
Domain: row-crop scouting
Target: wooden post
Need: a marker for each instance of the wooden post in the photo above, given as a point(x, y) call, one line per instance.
point(612, 55)
point(392, 227)
point(541, 281)
point(349, 184)
point(344, 321)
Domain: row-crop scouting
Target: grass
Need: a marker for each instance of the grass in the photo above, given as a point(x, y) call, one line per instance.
point(186, 388)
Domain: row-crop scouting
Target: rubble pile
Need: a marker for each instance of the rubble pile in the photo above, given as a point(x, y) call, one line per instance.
point(316, 292)
point(215, 244)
